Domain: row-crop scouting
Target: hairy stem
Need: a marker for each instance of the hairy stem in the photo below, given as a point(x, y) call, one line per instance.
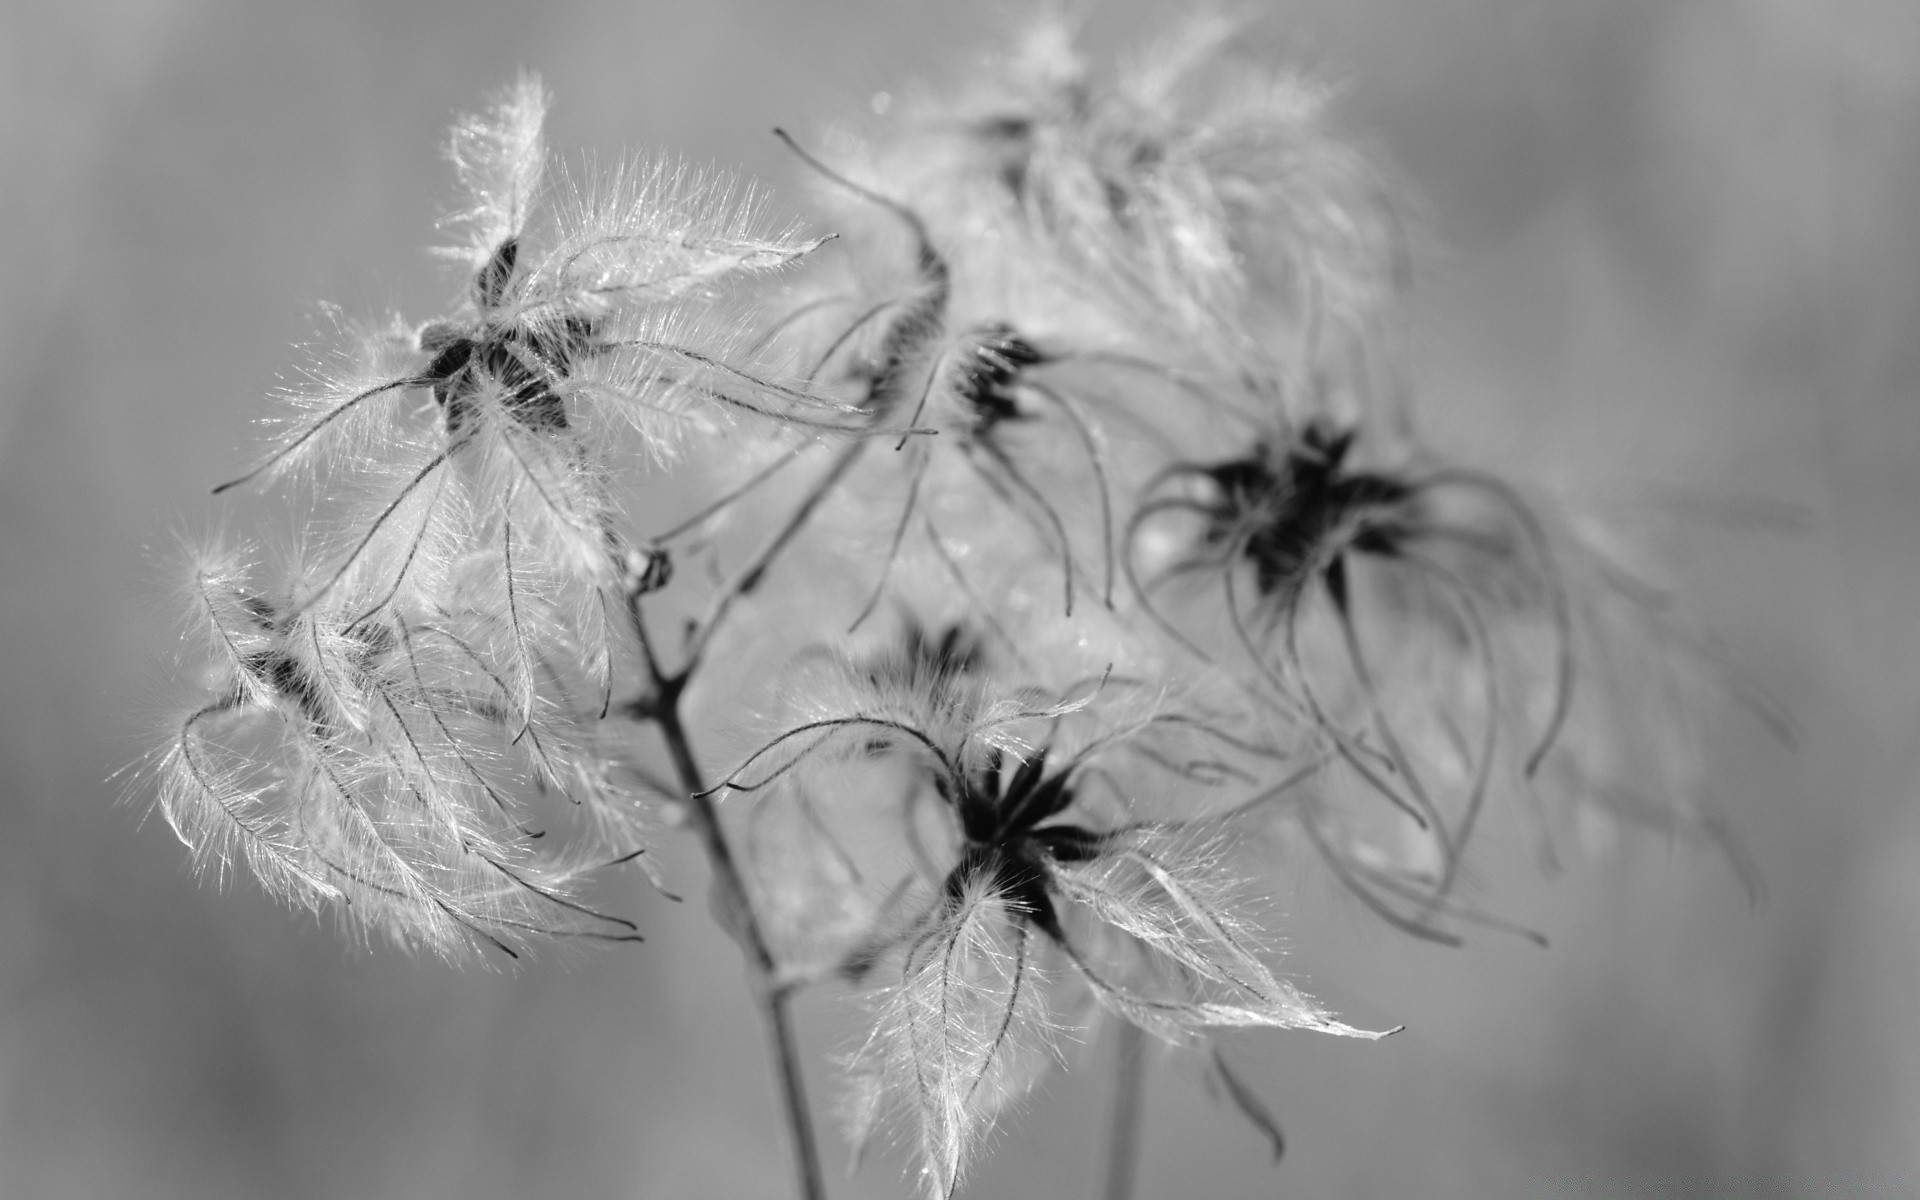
point(1123, 1131)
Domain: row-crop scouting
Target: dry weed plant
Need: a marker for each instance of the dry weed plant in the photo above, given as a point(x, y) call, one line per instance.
point(1063, 530)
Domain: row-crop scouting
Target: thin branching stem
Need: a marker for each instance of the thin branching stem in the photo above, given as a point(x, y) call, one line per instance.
point(750, 578)
point(733, 908)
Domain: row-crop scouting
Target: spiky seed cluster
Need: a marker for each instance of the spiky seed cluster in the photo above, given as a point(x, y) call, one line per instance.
point(1199, 196)
point(1118, 554)
point(1022, 891)
point(384, 765)
point(398, 712)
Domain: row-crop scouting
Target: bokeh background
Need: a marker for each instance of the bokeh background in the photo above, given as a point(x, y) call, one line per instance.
point(1682, 264)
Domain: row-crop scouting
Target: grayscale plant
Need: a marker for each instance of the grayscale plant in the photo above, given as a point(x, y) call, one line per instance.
point(1107, 558)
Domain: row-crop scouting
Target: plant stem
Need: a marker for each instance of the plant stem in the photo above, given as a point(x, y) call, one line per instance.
point(1123, 1133)
point(750, 578)
point(733, 908)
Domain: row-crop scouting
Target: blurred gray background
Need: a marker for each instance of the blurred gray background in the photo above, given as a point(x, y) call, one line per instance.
point(1683, 258)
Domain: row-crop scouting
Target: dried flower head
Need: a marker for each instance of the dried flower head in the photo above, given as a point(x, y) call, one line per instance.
point(595, 306)
point(1422, 624)
point(1020, 890)
point(1198, 194)
point(918, 365)
point(366, 764)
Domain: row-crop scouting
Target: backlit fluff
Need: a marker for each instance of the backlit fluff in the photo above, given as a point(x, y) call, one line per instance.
point(380, 767)
point(1094, 414)
point(1440, 638)
point(595, 332)
point(1202, 196)
point(1016, 886)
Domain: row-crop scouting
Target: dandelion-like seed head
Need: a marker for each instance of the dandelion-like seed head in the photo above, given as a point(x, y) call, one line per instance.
point(1124, 551)
point(1021, 887)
